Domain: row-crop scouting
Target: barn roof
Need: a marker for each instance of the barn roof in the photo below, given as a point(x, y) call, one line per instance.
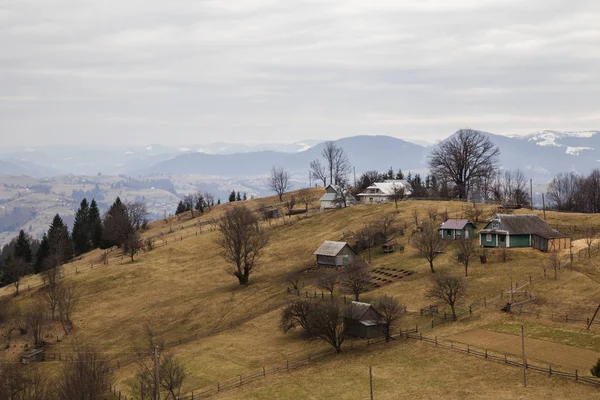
point(331, 248)
point(525, 224)
point(455, 224)
point(328, 197)
point(359, 310)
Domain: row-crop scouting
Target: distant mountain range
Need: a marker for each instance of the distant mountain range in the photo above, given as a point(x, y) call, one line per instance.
point(540, 155)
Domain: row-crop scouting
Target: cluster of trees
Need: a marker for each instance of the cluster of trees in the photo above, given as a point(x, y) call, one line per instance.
point(196, 202)
point(119, 227)
point(237, 196)
point(324, 320)
point(577, 193)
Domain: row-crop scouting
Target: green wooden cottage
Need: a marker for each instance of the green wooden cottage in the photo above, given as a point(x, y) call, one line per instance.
point(525, 230)
point(455, 229)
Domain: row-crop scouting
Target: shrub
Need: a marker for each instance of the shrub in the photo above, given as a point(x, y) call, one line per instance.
point(596, 369)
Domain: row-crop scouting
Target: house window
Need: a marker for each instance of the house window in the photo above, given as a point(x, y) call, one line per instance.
point(495, 225)
point(371, 199)
point(488, 237)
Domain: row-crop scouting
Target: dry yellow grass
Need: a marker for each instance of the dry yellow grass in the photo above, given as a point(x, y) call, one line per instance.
point(182, 288)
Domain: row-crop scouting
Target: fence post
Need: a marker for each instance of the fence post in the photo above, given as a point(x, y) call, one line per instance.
point(431, 323)
point(416, 328)
point(218, 387)
point(529, 279)
point(470, 310)
point(484, 302)
point(241, 382)
point(550, 370)
point(566, 317)
point(287, 363)
point(485, 353)
point(421, 335)
point(505, 359)
point(264, 372)
point(436, 340)
point(576, 375)
point(468, 349)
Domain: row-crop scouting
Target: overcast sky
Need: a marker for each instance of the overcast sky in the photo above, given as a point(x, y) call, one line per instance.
point(191, 71)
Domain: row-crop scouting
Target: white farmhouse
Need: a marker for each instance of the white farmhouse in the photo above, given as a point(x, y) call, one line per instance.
point(383, 192)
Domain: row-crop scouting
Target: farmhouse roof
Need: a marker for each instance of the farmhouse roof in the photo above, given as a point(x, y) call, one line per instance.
point(328, 197)
point(331, 248)
point(387, 187)
point(455, 224)
point(525, 224)
point(359, 310)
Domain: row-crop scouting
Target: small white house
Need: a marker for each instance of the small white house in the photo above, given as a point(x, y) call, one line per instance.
point(383, 192)
point(331, 198)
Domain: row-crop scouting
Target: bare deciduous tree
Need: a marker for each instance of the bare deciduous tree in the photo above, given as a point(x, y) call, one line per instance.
point(297, 314)
point(137, 212)
point(290, 203)
point(242, 240)
point(89, 376)
point(466, 252)
point(554, 263)
point(337, 162)
point(305, 196)
point(36, 321)
point(328, 281)
point(415, 216)
point(327, 323)
point(67, 298)
point(384, 223)
point(15, 269)
point(25, 383)
point(357, 277)
point(398, 193)
point(133, 244)
point(171, 376)
point(432, 213)
point(279, 181)
point(318, 171)
point(293, 278)
point(474, 213)
point(589, 235)
point(391, 311)
point(448, 289)
point(463, 157)
point(51, 278)
point(429, 243)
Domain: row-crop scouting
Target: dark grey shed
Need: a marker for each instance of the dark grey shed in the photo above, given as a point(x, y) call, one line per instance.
point(35, 355)
point(363, 321)
point(335, 254)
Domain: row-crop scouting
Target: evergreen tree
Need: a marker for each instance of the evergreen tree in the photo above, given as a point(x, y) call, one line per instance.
point(61, 246)
point(23, 247)
point(81, 229)
point(390, 174)
point(232, 196)
point(399, 174)
point(218, 201)
point(42, 255)
point(238, 197)
point(180, 208)
point(116, 226)
point(200, 203)
point(245, 196)
point(95, 224)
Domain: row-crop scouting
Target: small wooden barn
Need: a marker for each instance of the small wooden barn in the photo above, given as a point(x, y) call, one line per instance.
point(334, 254)
point(35, 355)
point(455, 229)
point(363, 321)
point(525, 230)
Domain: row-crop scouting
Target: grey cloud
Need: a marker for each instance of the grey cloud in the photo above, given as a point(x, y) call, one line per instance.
point(187, 71)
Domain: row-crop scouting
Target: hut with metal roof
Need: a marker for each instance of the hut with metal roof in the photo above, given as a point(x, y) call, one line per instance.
point(363, 321)
point(335, 254)
point(525, 230)
point(455, 229)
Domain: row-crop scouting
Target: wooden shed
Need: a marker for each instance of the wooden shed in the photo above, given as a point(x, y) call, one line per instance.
point(35, 355)
point(456, 229)
point(335, 254)
point(363, 321)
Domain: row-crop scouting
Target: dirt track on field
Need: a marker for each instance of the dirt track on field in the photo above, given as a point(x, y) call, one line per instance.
point(543, 351)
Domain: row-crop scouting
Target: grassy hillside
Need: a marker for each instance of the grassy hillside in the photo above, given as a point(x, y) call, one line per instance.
point(181, 289)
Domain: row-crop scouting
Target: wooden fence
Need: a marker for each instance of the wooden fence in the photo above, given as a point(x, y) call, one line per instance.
point(506, 359)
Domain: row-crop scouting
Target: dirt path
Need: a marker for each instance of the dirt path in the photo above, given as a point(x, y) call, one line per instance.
point(556, 354)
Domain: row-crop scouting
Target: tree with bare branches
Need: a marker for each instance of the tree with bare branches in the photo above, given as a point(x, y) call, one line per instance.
point(466, 252)
point(554, 263)
point(474, 213)
point(357, 277)
point(318, 171)
point(464, 157)
point(67, 299)
point(327, 323)
point(290, 203)
point(448, 289)
point(293, 278)
point(297, 314)
point(51, 278)
point(305, 196)
point(391, 311)
point(133, 244)
point(429, 243)
point(328, 281)
point(89, 376)
point(337, 162)
point(397, 194)
point(384, 223)
point(242, 240)
point(589, 235)
point(279, 181)
point(36, 321)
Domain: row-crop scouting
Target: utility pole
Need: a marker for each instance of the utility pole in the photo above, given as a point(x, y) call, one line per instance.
point(544, 206)
point(511, 287)
point(156, 376)
point(524, 360)
point(354, 170)
point(531, 192)
point(371, 381)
